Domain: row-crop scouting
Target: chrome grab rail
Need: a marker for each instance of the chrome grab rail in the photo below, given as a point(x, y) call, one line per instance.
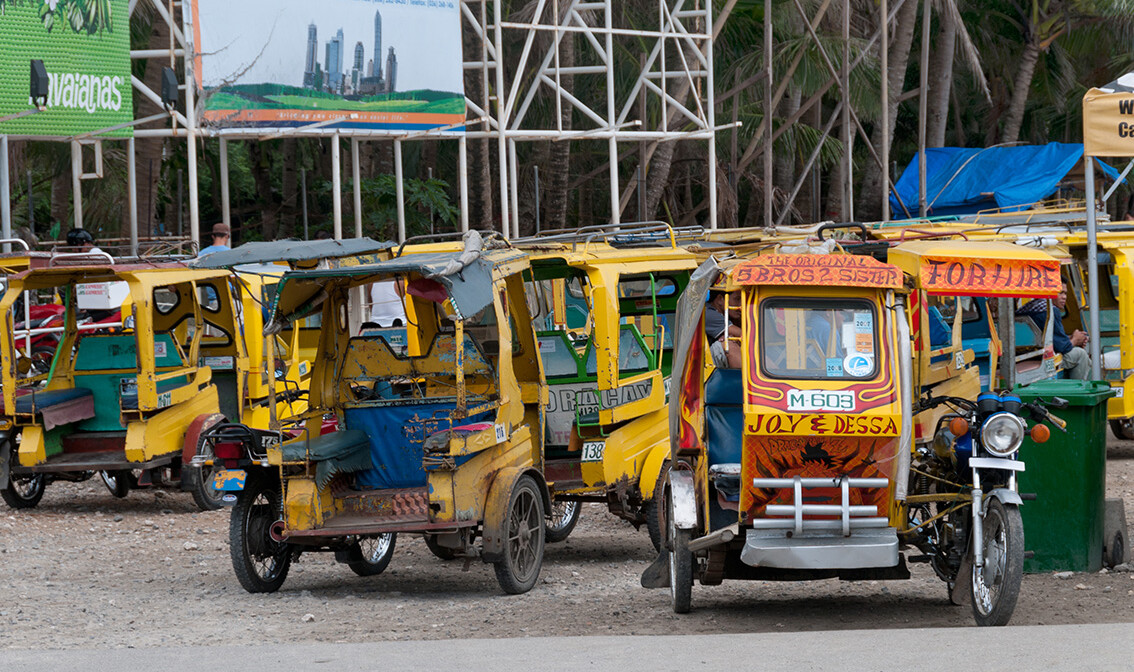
point(852, 517)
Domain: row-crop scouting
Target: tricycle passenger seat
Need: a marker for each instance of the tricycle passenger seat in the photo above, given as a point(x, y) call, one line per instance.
point(334, 453)
point(724, 416)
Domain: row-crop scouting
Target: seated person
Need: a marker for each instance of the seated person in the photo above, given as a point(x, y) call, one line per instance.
point(718, 328)
point(1076, 361)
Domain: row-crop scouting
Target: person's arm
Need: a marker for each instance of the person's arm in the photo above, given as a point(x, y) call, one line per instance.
point(1059, 339)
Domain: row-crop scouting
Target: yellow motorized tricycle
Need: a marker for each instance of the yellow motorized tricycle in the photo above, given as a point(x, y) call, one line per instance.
point(439, 434)
point(117, 399)
point(799, 463)
point(604, 313)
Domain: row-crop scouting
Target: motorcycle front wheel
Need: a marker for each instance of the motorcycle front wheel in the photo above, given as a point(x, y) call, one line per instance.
point(996, 585)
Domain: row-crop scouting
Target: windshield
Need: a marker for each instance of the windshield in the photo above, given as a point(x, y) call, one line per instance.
point(818, 338)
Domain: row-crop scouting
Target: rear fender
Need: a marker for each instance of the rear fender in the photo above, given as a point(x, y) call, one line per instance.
point(684, 496)
point(200, 424)
point(496, 509)
point(652, 468)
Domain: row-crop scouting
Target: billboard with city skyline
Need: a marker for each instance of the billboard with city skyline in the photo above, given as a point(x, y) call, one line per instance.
point(352, 64)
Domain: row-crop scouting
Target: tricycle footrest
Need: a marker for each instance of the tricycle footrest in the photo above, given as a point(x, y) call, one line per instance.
point(815, 550)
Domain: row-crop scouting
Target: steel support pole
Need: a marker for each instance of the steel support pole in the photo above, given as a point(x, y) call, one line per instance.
point(847, 131)
point(77, 181)
point(303, 201)
point(5, 194)
point(356, 178)
point(463, 180)
point(922, 100)
point(612, 116)
point(513, 189)
point(400, 191)
point(885, 49)
point(502, 122)
point(711, 117)
point(336, 187)
point(768, 84)
point(226, 215)
point(191, 118)
point(132, 193)
point(1092, 269)
point(535, 174)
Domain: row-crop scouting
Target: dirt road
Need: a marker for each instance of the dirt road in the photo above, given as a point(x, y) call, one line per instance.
point(87, 570)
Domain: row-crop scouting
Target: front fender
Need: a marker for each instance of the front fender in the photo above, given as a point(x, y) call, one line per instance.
point(1005, 496)
point(495, 531)
point(684, 496)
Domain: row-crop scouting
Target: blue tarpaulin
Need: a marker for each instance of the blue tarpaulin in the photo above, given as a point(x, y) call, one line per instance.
point(963, 180)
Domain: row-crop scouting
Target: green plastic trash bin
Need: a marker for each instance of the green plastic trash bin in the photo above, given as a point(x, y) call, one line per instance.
point(1063, 526)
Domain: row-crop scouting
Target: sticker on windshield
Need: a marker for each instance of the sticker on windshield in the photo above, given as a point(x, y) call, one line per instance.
point(864, 322)
point(858, 365)
point(864, 342)
point(159, 349)
point(547, 345)
point(834, 367)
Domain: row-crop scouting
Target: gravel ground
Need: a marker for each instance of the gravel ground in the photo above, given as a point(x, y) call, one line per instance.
point(87, 570)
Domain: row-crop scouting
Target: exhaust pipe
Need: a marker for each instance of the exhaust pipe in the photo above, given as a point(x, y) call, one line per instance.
point(277, 531)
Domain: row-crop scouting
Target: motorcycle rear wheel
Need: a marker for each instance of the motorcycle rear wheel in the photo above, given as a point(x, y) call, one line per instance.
point(996, 586)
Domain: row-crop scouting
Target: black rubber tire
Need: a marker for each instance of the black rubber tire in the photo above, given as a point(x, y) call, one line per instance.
point(524, 535)
point(24, 492)
point(1004, 558)
point(680, 563)
point(1123, 428)
point(261, 564)
point(200, 482)
point(41, 358)
point(442, 552)
point(654, 511)
point(1116, 551)
point(117, 482)
point(562, 519)
point(376, 553)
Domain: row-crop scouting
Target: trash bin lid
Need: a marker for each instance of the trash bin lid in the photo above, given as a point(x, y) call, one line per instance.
point(1076, 392)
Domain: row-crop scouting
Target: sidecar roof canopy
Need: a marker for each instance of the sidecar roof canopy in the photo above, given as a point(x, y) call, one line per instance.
point(468, 286)
point(292, 251)
point(978, 268)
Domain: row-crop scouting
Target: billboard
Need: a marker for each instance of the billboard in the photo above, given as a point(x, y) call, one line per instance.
point(85, 47)
point(343, 64)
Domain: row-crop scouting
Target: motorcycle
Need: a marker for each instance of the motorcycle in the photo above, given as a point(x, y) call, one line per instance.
point(964, 502)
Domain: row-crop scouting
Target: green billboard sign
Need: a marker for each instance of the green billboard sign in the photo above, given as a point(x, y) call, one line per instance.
point(85, 47)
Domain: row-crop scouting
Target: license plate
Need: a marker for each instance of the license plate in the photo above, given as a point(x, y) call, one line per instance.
point(593, 450)
point(229, 480)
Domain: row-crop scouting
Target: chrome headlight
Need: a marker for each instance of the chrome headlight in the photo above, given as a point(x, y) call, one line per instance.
point(1002, 434)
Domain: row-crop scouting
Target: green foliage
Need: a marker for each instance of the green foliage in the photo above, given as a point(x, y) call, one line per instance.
point(423, 198)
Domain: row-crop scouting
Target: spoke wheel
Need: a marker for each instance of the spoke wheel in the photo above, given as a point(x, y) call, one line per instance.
point(200, 480)
point(680, 562)
point(518, 571)
point(562, 519)
point(375, 552)
point(261, 564)
point(996, 586)
point(24, 491)
point(117, 482)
